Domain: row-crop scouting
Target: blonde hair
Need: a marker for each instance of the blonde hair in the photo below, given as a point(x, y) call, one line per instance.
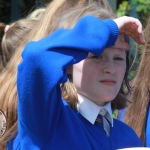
point(13, 38)
point(48, 23)
point(136, 113)
point(54, 11)
point(14, 35)
point(37, 13)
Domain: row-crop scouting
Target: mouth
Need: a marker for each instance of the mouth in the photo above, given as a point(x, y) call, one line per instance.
point(108, 82)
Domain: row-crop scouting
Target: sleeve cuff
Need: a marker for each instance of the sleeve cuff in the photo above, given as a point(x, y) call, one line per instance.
point(114, 31)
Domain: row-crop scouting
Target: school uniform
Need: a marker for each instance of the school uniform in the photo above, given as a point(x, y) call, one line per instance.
point(45, 120)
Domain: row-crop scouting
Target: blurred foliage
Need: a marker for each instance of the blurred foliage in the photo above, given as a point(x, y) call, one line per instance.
point(141, 6)
point(123, 9)
point(115, 114)
point(1, 4)
point(21, 3)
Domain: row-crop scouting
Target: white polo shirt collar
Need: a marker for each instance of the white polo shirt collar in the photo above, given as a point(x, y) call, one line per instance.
point(90, 110)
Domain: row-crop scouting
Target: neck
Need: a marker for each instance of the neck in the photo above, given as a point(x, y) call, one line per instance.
point(97, 102)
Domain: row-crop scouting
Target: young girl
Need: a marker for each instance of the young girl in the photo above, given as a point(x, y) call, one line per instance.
point(81, 50)
point(8, 94)
point(138, 113)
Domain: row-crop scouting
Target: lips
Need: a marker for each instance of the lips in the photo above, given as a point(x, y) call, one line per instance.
point(108, 82)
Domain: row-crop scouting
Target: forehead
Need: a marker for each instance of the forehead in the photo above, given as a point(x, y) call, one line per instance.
point(113, 51)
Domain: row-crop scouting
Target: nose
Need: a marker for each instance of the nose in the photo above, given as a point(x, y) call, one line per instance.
point(109, 67)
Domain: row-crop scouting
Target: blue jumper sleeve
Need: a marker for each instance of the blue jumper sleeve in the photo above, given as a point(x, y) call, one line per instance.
point(44, 67)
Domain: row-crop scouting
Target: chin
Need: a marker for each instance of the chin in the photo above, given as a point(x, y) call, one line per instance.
point(109, 99)
point(109, 96)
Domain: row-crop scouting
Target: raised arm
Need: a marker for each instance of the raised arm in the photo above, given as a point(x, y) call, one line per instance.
point(44, 67)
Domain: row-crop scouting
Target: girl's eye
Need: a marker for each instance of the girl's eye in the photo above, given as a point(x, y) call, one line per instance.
point(118, 58)
point(97, 57)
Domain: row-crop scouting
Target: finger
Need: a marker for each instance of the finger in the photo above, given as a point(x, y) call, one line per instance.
point(132, 35)
point(142, 39)
point(139, 25)
point(138, 37)
point(139, 29)
point(131, 30)
point(136, 22)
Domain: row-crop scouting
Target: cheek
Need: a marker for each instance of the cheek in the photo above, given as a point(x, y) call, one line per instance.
point(77, 74)
point(121, 72)
point(90, 71)
point(84, 73)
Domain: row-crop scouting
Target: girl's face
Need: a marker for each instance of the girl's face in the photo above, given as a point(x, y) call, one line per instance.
point(100, 78)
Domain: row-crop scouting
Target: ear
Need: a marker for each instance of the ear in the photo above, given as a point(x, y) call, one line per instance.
point(69, 70)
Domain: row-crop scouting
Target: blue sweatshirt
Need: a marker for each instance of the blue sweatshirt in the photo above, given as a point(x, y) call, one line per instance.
point(45, 120)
